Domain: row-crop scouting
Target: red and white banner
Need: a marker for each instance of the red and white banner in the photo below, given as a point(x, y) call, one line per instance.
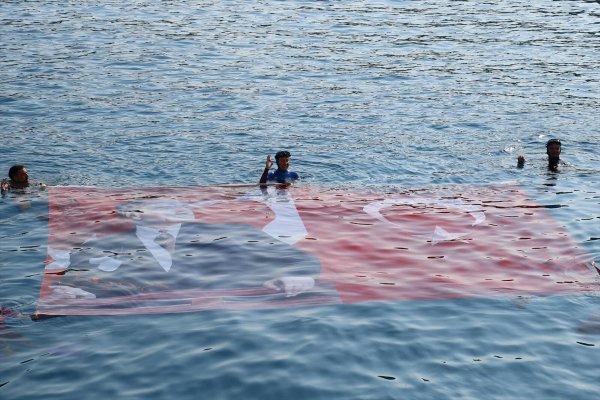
point(163, 250)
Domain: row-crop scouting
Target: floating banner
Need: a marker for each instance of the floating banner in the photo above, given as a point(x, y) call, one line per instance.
point(165, 250)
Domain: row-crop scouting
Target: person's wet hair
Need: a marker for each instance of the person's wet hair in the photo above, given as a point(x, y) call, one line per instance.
point(553, 141)
point(281, 154)
point(14, 170)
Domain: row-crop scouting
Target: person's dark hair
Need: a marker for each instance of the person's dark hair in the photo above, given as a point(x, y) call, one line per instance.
point(282, 153)
point(12, 172)
point(553, 141)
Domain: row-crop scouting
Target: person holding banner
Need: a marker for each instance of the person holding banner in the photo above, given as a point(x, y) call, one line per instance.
point(281, 174)
point(18, 179)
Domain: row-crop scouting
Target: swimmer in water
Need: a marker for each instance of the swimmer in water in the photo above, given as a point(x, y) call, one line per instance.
point(281, 174)
point(553, 150)
point(18, 179)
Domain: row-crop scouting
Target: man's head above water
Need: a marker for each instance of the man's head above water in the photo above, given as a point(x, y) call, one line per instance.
point(553, 148)
point(282, 158)
point(18, 175)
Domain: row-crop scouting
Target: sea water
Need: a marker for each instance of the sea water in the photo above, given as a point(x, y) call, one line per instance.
point(385, 95)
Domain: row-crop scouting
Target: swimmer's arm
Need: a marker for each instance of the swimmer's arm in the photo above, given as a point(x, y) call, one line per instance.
point(268, 165)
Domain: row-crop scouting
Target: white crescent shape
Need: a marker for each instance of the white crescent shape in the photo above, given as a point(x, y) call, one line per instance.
point(438, 234)
point(374, 208)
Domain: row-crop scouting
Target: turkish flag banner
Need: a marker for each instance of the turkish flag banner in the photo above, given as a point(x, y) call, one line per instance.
point(164, 250)
point(442, 242)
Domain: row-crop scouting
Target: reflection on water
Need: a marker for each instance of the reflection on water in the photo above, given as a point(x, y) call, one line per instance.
point(388, 97)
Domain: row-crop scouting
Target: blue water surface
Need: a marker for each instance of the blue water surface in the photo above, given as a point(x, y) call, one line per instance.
point(385, 94)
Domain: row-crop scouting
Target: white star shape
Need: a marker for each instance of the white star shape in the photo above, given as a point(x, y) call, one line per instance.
point(441, 235)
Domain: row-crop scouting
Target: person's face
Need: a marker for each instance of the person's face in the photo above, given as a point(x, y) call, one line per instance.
point(21, 176)
point(283, 163)
point(553, 150)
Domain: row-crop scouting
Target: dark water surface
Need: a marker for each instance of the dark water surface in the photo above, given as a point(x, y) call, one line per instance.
point(386, 94)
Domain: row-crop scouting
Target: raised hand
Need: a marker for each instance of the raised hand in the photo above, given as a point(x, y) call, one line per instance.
point(268, 163)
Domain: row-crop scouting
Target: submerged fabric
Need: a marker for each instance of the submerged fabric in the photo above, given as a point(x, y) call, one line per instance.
point(242, 247)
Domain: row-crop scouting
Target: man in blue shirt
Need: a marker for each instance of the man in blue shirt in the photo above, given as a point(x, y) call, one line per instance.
point(281, 174)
